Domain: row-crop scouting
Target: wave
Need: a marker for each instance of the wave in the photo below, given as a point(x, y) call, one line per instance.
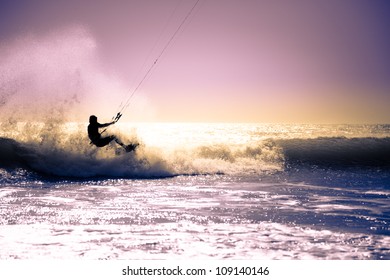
point(77, 163)
point(337, 152)
point(84, 161)
point(80, 160)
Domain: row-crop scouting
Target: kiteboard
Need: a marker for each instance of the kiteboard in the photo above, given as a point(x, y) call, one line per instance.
point(131, 147)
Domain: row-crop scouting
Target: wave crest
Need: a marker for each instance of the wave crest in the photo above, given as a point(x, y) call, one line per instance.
point(337, 152)
point(74, 157)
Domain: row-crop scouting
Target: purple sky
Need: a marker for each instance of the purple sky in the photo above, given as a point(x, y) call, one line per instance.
point(241, 60)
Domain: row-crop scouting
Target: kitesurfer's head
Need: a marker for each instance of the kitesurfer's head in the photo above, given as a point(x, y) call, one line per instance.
point(92, 119)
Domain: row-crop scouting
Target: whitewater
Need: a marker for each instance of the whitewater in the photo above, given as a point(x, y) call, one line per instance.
point(195, 191)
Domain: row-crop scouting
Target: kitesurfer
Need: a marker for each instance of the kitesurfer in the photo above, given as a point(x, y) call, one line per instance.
point(98, 140)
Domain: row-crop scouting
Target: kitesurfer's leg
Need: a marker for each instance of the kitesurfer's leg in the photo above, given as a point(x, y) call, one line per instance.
point(118, 142)
point(103, 141)
point(128, 148)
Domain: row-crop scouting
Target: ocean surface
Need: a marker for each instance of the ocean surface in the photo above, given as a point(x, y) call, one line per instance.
point(195, 191)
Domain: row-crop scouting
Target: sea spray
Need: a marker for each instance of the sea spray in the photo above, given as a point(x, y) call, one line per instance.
point(60, 74)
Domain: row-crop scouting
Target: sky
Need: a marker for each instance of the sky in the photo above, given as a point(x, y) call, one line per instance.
point(270, 61)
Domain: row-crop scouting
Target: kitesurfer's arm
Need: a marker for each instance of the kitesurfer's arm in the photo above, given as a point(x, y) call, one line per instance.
point(105, 124)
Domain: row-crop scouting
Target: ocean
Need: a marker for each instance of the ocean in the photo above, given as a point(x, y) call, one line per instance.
point(195, 191)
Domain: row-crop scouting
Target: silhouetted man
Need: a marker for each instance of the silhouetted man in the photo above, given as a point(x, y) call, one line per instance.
point(98, 140)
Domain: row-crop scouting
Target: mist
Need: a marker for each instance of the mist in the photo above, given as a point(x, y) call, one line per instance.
point(57, 76)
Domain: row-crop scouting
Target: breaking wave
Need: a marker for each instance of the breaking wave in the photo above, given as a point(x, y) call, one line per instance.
point(64, 163)
point(337, 152)
point(80, 160)
point(146, 162)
